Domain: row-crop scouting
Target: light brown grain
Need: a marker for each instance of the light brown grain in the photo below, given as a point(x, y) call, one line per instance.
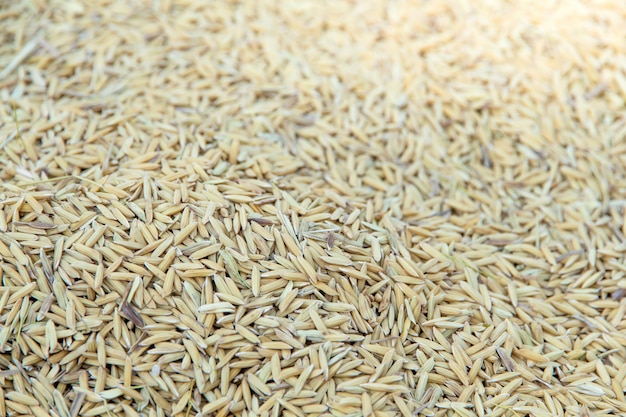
point(312, 208)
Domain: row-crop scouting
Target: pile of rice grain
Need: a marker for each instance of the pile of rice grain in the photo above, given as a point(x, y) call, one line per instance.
point(312, 208)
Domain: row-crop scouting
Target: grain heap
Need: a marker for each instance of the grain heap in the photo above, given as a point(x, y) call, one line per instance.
point(312, 208)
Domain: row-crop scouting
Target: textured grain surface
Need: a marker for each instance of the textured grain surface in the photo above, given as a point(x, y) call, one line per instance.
point(312, 208)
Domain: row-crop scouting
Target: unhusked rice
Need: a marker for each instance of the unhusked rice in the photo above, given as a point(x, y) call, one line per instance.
point(312, 208)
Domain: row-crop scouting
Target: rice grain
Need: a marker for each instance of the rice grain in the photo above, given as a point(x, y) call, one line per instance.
point(312, 209)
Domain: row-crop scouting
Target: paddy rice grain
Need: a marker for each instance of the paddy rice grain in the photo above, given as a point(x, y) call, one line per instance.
point(405, 208)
